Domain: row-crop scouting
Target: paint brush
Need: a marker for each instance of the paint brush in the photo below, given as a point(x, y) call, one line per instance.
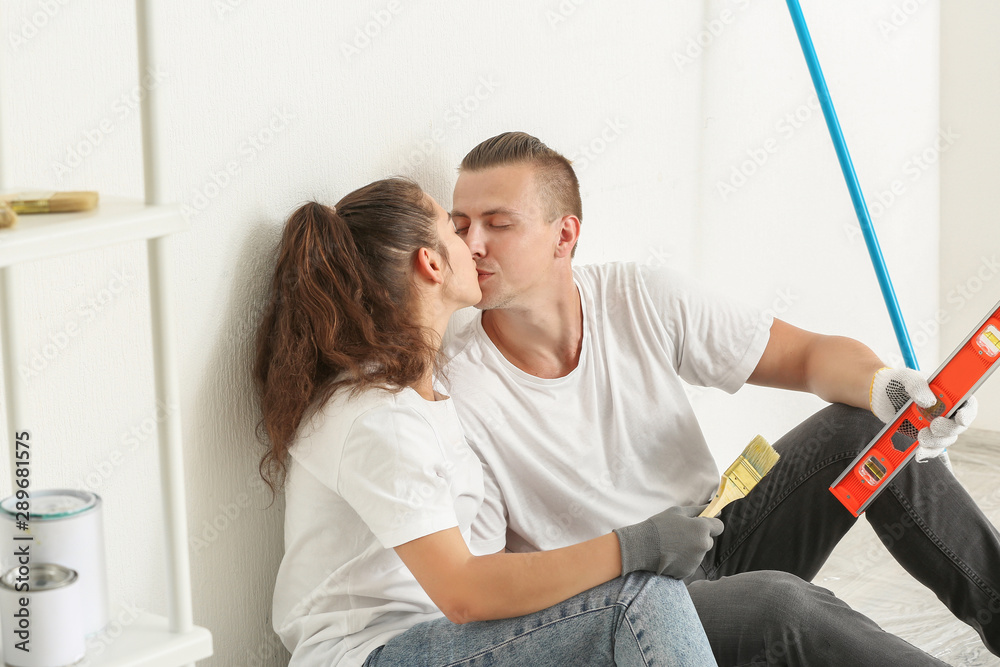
point(51, 202)
point(8, 218)
point(739, 479)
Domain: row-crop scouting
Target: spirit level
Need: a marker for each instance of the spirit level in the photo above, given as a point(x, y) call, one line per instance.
point(953, 383)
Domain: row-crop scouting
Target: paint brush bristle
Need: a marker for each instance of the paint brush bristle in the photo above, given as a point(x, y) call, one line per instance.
point(739, 479)
point(760, 455)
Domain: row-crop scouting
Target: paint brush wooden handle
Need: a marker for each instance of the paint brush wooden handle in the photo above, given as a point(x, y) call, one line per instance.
point(8, 218)
point(728, 492)
point(51, 202)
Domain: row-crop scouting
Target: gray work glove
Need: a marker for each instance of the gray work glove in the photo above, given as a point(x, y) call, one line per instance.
point(673, 542)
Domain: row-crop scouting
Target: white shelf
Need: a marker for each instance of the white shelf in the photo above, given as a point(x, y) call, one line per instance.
point(148, 642)
point(115, 220)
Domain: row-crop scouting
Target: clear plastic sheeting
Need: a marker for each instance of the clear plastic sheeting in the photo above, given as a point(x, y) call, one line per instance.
point(863, 574)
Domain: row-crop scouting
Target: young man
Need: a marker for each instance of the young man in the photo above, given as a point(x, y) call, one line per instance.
point(569, 385)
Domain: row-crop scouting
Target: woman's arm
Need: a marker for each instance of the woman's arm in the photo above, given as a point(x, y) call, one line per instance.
point(503, 585)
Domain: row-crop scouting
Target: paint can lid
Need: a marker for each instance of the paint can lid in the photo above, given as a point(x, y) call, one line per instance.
point(41, 577)
point(53, 504)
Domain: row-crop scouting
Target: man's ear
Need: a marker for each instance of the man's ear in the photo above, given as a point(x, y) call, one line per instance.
point(569, 233)
point(429, 265)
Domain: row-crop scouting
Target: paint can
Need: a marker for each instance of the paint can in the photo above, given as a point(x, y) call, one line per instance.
point(67, 529)
point(41, 621)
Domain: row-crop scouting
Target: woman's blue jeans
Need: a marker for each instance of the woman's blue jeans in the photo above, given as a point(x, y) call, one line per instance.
point(752, 591)
point(641, 620)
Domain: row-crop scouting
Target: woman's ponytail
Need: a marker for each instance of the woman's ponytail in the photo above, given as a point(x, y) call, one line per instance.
point(339, 311)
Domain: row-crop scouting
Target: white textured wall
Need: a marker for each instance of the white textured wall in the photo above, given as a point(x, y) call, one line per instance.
point(970, 199)
point(266, 105)
point(776, 224)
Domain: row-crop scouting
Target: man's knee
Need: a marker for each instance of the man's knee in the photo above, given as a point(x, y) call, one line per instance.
point(789, 614)
point(791, 598)
point(779, 600)
point(842, 427)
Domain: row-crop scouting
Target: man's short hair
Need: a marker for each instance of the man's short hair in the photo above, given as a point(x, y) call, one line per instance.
point(554, 175)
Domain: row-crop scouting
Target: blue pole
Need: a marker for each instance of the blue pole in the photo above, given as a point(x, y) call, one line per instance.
point(847, 167)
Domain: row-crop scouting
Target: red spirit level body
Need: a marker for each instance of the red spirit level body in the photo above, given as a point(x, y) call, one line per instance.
point(953, 383)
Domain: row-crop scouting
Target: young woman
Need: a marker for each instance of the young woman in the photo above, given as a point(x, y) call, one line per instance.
point(384, 564)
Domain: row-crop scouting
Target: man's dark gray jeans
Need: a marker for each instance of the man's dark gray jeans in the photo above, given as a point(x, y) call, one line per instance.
point(752, 593)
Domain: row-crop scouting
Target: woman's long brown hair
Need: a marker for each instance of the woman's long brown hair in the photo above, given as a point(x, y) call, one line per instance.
point(339, 309)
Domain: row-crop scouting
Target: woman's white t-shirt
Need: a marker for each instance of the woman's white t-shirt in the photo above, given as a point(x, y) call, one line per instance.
point(367, 474)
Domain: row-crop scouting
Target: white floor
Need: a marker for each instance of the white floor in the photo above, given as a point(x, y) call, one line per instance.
point(862, 573)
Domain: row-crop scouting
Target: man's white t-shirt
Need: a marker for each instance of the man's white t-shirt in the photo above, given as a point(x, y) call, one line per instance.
point(367, 474)
point(615, 440)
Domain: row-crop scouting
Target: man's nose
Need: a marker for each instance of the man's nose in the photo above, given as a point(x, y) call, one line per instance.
point(474, 239)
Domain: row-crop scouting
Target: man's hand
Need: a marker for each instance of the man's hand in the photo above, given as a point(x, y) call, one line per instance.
point(673, 542)
point(890, 390)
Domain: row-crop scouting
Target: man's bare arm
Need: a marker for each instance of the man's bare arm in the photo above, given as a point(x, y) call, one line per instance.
point(835, 368)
